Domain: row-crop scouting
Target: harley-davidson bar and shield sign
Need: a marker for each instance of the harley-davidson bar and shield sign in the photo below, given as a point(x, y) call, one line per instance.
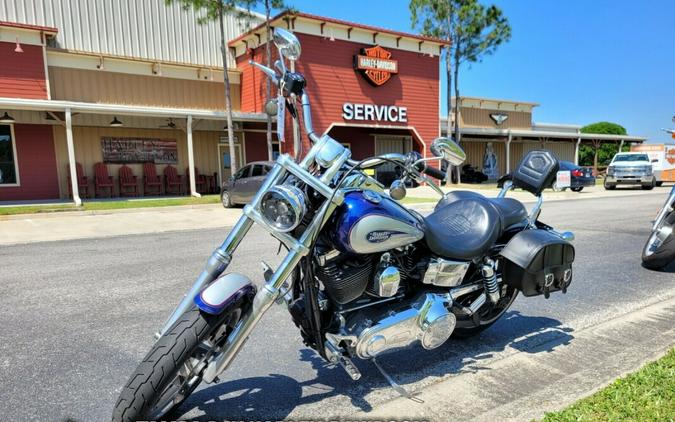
point(376, 64)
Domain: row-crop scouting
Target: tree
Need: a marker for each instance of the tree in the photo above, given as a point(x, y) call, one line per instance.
point(473, 31)
point(600, 152)
point(216, 9)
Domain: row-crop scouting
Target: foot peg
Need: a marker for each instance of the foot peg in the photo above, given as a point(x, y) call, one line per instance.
point(399, 389)
point(335, 355)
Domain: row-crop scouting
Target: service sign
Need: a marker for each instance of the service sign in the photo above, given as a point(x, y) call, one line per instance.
point(563, 179)
point(374, 112)
point(376, 65)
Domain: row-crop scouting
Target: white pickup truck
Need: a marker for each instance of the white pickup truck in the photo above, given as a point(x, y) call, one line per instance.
point(630, 168)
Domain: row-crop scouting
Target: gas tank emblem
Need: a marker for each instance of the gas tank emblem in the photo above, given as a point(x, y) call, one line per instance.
point(372, 197)
point(378, 236)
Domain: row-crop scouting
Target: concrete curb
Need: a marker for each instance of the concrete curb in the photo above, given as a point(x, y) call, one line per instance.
point(525, 385)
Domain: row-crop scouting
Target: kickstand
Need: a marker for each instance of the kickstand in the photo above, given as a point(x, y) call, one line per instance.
point(400, 390)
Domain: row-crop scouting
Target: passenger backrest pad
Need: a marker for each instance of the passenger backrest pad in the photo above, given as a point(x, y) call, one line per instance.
point(536, 171)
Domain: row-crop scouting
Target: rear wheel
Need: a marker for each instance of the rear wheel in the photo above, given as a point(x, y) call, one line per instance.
point(173, 368)
point(487, 315)
point(659, 184)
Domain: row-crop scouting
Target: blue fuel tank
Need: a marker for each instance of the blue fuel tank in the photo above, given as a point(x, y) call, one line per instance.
point(368, 222)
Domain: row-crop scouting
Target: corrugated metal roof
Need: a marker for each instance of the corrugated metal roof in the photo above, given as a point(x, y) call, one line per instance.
point(147, 29)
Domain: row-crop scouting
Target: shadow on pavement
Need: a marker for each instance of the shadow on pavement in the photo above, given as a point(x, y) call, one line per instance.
point(276, 396)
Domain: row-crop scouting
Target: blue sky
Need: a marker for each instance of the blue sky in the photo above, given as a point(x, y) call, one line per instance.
point(582, 60)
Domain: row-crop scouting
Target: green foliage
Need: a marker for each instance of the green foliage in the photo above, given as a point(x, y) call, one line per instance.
point(605, 153)
point(240, 8)
point(473, 29)
point(604, 128)
point(646, 395)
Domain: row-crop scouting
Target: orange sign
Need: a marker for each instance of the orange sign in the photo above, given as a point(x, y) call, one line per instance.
point(376, 65)
point(670, 155)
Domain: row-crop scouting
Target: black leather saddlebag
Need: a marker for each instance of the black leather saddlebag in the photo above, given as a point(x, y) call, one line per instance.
point(538, 262)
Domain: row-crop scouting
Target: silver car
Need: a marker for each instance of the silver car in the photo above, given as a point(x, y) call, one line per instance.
point(242, 187)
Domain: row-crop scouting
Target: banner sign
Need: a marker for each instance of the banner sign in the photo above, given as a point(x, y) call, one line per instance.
point(139, 150)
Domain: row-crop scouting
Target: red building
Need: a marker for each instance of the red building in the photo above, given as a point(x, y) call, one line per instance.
point(374, 89)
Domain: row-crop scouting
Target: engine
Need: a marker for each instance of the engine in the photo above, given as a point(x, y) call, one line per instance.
point(348, 277)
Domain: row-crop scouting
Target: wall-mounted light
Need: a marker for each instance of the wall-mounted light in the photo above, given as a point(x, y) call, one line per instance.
point(6, 118)
point(116, 123)
point(18, 48)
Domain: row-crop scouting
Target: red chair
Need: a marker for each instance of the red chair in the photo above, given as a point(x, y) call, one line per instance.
point(174, 181)
point(128, 182)
point(151, 180)
point(82, 181)
point(200, 180)
point(102, 180)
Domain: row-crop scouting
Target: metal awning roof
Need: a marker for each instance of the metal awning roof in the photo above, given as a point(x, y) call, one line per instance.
point(549, 134)
point(123, 110)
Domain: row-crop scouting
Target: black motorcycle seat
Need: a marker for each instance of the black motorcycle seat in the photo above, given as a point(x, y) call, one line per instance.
point(511, 211)
point(463, 229)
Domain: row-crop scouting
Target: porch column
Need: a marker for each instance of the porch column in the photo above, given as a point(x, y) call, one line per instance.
point(508, 153)
point(576, 151)
point(71, 158)
point(621, 145)
point(191, 158)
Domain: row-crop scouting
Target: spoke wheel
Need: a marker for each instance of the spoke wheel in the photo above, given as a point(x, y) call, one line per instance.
point(488, 314)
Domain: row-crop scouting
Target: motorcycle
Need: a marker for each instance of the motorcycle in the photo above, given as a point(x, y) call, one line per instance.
point(659, 251)
point(362, 274)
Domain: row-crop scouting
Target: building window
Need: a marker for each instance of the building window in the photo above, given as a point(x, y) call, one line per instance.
point(9, 173)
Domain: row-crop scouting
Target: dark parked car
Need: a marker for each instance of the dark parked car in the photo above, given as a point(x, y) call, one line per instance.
point(242, 187)
point(580, 177)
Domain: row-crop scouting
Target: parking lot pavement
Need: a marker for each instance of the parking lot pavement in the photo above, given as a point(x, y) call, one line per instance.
point(81, 225)
point(77, 316)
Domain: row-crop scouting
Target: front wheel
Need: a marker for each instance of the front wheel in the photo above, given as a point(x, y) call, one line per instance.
point(609, 186)
point(226, 199)
point(649, 186)
point(659, 251)
point(173, 368)
point(579, 189)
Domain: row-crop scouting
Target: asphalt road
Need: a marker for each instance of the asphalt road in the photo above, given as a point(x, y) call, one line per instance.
point(77, 316)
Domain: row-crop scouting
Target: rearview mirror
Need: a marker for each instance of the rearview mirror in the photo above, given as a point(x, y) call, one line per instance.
point(287, 43)
point(448, 150)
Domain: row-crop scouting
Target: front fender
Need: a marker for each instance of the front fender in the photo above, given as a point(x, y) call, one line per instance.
point(223, 292)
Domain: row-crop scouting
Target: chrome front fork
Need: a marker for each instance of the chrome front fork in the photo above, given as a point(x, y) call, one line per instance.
point(222, 256)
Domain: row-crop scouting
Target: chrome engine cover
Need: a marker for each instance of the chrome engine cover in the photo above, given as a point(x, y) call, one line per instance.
point(426, 319)
point(445, 273)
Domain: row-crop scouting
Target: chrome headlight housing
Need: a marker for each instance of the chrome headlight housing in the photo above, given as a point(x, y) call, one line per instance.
point(282, 207)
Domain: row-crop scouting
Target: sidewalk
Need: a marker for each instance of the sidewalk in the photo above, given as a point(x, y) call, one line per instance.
point(28, 228)
point(525, 385)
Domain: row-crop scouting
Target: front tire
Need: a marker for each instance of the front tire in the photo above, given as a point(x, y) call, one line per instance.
point(609, 186)
point(226, 199)
point(168, 366)
point(579, 189)
point(649, 186)
point(658, 257)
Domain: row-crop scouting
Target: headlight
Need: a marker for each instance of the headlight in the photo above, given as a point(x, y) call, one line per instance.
point(282, 207)
point(610, 170)
point(648, 170)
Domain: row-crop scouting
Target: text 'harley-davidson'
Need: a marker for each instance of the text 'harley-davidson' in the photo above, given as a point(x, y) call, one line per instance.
point(362, 275)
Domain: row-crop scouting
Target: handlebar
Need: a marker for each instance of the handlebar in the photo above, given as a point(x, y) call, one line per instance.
point(434, 172)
